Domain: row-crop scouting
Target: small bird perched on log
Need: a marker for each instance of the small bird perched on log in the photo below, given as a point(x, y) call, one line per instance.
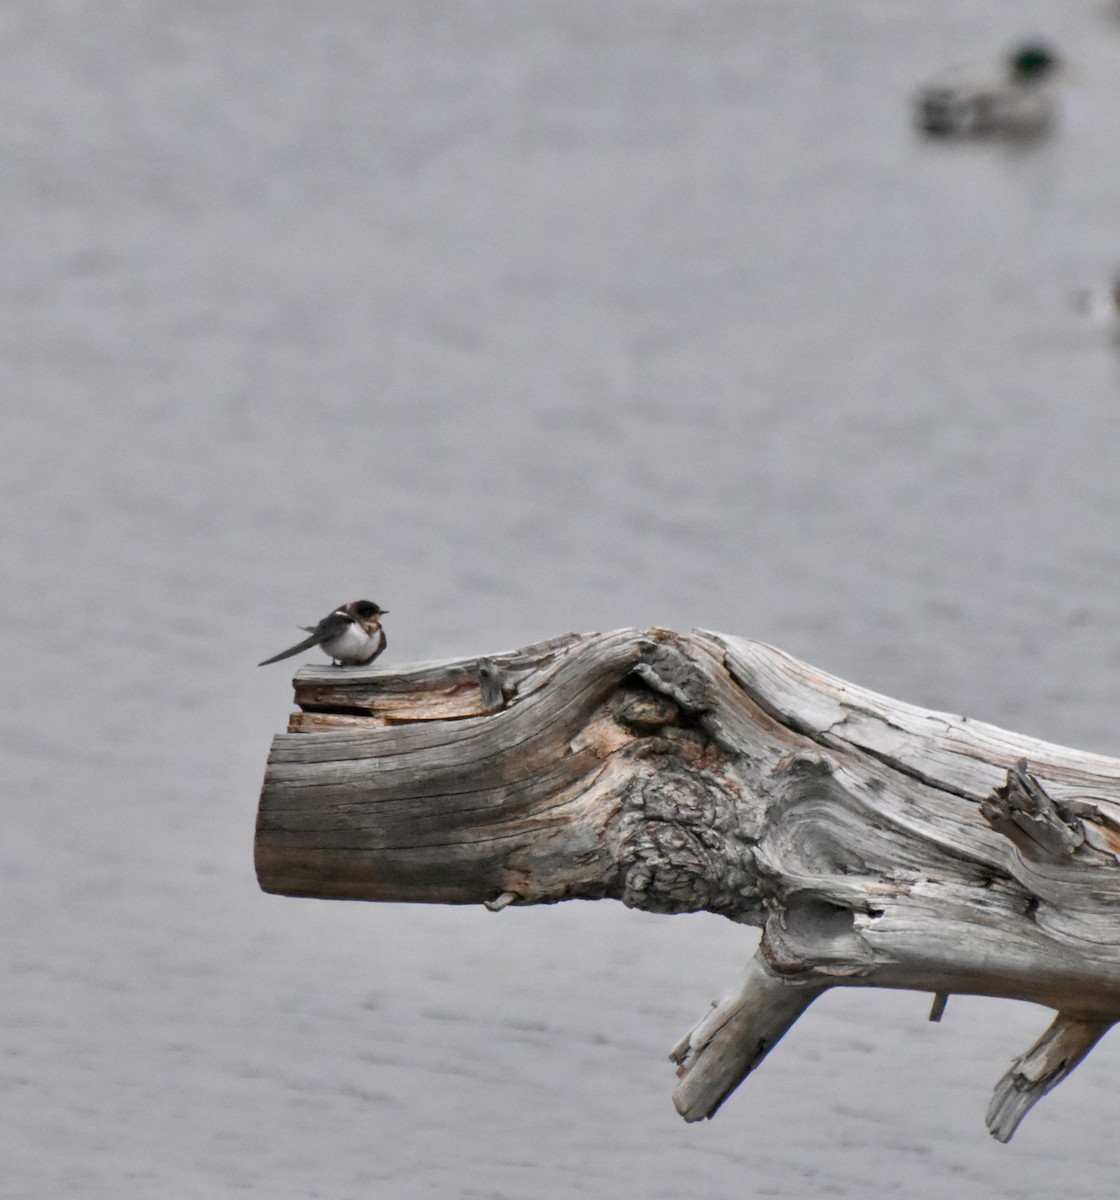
point(351, 635)
point(1016, 105)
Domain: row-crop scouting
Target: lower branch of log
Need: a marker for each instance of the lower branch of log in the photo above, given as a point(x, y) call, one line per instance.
point(1054, 1056)
point(743, 1027)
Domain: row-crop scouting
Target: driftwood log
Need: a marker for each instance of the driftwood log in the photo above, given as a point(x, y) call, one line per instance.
point(876, 844)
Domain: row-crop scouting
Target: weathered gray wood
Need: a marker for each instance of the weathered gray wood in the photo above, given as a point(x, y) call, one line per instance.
point(722, 1049)
point(875, 843)
point(1042, 1068)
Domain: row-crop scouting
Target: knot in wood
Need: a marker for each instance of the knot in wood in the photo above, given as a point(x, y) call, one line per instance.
point(805, 764)
point(643, 710)
point(671, 672)
point(681, 848)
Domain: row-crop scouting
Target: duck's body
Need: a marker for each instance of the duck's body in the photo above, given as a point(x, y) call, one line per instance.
point(1103, 306)
point(1016, 105)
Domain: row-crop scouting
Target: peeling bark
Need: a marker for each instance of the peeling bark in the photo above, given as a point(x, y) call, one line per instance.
point(875, 843)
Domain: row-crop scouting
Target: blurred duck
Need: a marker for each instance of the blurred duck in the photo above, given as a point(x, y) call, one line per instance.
point(1103, 306)
point(1018, 104)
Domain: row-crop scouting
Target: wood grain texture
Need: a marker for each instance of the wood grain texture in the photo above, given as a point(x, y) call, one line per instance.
point(874, 842)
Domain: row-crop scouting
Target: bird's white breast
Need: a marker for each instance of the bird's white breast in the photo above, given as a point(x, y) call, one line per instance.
point(353, 644)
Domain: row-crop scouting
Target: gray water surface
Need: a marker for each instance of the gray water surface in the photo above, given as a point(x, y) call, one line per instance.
point(519, 318)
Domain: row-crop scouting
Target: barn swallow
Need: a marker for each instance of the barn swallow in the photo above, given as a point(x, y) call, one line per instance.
point(351, 635)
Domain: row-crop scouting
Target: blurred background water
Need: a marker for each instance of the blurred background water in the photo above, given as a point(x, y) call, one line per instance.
point(518, 317)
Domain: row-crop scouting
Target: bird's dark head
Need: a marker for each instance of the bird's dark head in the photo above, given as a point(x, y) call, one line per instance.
point(1032, 61)
point(366, 610)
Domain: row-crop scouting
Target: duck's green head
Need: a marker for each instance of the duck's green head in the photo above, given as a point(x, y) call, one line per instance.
point(1032, 61)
